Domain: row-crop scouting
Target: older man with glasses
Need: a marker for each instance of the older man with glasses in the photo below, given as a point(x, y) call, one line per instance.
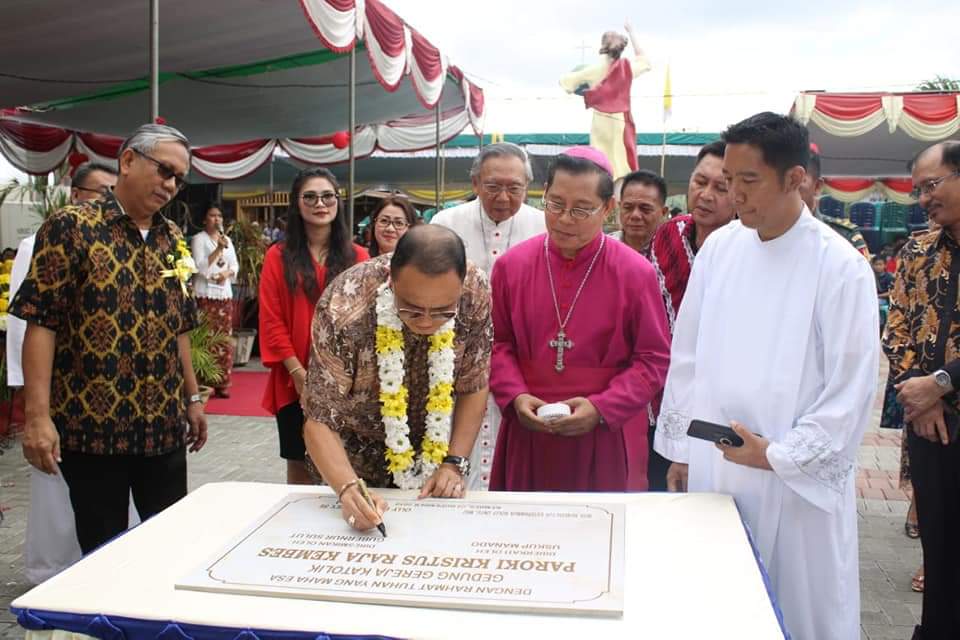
point(581, 345)
point(497, 220)
point(111, 397)
point(922, 341)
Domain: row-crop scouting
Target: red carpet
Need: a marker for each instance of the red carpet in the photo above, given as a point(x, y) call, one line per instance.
point(245, 395)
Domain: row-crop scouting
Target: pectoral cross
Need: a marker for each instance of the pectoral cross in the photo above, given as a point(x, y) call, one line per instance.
point(560, 344)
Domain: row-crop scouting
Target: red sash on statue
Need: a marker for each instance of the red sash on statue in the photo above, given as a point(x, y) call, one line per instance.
point(612, 95)
point(603, 460)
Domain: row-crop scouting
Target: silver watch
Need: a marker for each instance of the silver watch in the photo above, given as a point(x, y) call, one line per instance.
point(462, 464)
point(942, 378)
point(194, 398)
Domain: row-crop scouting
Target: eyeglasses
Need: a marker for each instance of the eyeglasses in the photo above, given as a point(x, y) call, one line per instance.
point(493, 189)
point(311, 198)
point(399, 225)
point(165, 171)
point(413, 315)
point(102, 191)
point(577, 213)
point(929, 186)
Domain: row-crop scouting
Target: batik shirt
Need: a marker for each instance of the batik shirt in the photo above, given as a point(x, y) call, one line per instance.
point(343, 387)
point(117, 382)
point(923, 326)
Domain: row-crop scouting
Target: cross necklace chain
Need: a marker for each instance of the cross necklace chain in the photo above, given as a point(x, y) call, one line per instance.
point(561, 343)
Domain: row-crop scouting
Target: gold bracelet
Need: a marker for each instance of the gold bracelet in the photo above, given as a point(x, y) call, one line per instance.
point(344, 488)
point(295, 369)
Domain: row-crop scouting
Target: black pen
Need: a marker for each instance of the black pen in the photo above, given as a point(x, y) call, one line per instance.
point(369, 500)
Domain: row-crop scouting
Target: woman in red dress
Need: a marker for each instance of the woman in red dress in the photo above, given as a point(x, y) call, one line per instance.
point(317, 248)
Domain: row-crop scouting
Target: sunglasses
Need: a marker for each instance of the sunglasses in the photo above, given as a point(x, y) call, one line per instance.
point(165, 171)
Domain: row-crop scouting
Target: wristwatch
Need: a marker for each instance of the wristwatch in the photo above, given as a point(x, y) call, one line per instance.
point(194, 398)
point(462, 464)
point(942, 378)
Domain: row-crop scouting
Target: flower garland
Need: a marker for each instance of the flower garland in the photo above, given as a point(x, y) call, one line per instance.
point(408, 472)
point(183, 266)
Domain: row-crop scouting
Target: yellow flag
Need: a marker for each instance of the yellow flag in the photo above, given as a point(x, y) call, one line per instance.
point(667, 97)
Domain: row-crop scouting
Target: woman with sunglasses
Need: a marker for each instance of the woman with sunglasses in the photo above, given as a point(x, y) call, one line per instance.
point(392, 218)
point(317, 248)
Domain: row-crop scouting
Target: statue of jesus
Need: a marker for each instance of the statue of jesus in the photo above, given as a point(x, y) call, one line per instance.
point(605, 87)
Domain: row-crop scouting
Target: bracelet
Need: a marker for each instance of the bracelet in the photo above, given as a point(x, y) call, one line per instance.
point(295, 369)
point(344, 488)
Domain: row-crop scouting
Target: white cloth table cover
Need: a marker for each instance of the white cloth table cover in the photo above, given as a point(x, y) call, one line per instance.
point(691, 573)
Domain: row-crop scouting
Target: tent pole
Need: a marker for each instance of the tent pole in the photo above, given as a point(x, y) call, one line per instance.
point(663, 153)
point(273, 217)
point(154, 60)
point(353, 125)
point(438, 154)
point(443, 178)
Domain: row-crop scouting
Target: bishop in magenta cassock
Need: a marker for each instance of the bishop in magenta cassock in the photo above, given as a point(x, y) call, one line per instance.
point(577, 320)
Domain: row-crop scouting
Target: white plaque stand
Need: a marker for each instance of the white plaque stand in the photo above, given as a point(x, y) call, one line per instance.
point(546, 558)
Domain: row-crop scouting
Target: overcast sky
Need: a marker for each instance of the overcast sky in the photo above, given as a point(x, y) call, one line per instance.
point(727, 59)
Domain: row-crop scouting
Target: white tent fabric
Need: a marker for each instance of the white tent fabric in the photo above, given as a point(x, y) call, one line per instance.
point(275, 72)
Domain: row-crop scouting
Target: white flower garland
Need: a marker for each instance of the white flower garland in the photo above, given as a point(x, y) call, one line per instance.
point(410, 472)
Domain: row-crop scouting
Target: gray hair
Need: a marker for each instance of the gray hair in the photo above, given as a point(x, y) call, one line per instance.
point(501, 150)
point(146, 138)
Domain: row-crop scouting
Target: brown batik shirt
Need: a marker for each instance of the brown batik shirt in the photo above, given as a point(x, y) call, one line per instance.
point(117, 382)
point(922, 333)
point(343, 388)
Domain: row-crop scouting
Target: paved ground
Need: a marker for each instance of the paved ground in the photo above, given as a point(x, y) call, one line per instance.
point(246, 449)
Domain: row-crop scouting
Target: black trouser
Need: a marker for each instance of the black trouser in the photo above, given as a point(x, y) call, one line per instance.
point(100, 489)
point(657, 466)
point(935, 473)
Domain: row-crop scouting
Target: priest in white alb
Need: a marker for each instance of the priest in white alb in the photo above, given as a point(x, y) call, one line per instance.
point(489, 226)
point(777, 338)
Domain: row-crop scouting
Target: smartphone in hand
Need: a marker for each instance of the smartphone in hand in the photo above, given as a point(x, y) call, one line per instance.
point(714, 432)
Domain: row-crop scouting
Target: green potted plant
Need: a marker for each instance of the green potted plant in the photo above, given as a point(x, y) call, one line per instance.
point(45, 198)
point(205, 342)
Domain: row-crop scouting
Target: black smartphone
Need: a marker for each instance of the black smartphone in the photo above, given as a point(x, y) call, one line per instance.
point(714, 433)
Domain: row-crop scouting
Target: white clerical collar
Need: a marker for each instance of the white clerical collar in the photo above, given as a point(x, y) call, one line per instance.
point(483, 212)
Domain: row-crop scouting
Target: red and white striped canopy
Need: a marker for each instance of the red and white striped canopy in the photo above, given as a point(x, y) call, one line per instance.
point(271, 73)
point(849, 130)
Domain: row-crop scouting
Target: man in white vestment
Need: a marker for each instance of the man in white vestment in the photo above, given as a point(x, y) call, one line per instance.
point(776, 337)
point(498, 219)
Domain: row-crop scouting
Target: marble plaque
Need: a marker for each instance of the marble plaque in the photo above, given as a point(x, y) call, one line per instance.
point(535, 557)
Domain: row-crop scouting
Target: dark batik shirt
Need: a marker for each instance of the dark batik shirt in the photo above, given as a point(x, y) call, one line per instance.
point(117, 382)
point(922, 333)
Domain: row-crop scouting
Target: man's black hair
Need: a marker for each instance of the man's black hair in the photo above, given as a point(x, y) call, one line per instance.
point(648, 178)
point(580, 166)
point(783, 141)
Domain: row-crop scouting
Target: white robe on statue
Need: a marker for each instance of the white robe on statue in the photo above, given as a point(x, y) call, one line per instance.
point(485, 242)
point(781, 336)
point(51, 535)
